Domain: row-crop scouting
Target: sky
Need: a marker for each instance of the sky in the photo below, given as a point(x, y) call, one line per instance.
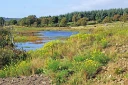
point(23, 8)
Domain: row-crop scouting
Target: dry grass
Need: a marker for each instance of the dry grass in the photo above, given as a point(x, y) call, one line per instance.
point(35, 64)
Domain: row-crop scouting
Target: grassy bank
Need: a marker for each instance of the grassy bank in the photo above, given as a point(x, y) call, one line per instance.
point(24, 34)
point(80, 59)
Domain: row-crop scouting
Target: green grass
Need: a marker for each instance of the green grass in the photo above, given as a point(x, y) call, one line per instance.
point(77, 59)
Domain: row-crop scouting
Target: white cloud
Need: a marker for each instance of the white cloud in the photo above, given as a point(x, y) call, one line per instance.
point(83, 5)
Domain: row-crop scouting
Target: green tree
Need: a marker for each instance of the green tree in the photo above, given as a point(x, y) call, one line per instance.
point(95, 15)
point(82, 21)
point(38, 22)
point(2, 21)
point(13, 22)
point(74, 18)
point(69, 17)
point(55, 19)
point(63, 22)
point(98, 17)
point(31, 19)
point(28, 22)
point(44, 21)
point(50, 21)
point(35, 24)
point(22, 22)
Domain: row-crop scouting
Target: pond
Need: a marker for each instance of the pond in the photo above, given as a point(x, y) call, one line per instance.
point(46, 37)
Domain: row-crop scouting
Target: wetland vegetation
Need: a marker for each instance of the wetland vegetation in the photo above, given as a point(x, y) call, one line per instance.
point(98, 54)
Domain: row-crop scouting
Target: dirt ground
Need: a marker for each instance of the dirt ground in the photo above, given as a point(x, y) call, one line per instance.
point(31, 80)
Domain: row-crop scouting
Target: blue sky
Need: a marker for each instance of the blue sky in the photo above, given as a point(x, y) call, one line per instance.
point(23, 8)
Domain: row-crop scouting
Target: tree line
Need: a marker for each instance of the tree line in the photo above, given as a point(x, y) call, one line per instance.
point(71, 19)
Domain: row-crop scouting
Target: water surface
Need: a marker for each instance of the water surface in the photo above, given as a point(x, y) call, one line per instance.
point(46, 37)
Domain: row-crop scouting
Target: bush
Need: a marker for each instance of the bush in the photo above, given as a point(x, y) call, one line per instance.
point(99, 57)
point(91, 67)
point(63, 22)
point(39, 71)
point(60, 70)
point(5, 37)
point(61, 77)
point(8, 56)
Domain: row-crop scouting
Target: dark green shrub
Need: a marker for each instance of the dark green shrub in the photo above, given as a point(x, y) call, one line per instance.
point(91, 67)
point(5, 37)
point(39, 71)
point(8, 56)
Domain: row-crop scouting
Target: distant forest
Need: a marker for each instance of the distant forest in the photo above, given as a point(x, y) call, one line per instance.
point(71, 19)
